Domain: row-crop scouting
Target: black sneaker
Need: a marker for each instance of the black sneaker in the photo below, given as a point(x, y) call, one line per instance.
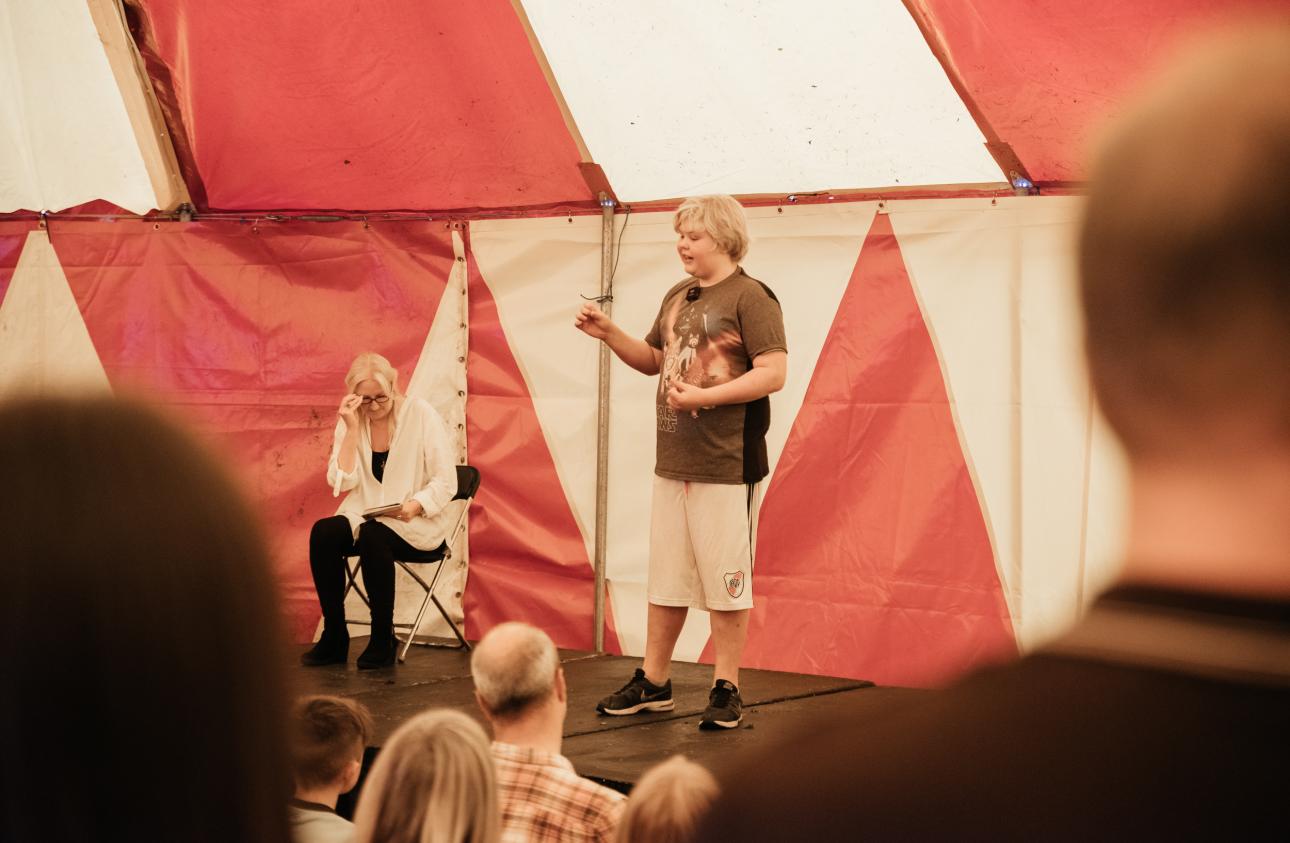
point(638, 695)
point(725, 707)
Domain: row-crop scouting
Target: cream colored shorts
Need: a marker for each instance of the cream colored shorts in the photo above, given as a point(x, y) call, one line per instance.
point(701, 542)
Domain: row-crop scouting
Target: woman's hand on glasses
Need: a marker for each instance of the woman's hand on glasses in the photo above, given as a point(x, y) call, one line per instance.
point(349, 410)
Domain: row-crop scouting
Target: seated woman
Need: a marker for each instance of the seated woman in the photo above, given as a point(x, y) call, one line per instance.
point(387, 449)
point(432, 781)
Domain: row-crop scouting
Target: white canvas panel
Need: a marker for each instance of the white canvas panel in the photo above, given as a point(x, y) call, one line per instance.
point(1056, 423)
point(537, 271)
point(1106, 530)
point(963, 269)
point(44, 344)
point(65, 136)
point(675, 98)
point(807, 255)
point(995, 280)
point(440, 378)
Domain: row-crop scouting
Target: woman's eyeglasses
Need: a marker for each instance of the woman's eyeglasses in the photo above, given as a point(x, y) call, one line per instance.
point(368, 399)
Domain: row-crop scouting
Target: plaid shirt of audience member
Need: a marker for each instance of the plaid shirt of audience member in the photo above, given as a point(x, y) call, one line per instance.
point(543, 800)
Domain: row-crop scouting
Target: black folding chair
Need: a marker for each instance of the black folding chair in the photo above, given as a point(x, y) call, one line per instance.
point(467, 485)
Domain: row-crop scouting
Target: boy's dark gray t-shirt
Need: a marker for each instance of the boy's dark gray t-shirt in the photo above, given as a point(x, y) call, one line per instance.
point(709, 338)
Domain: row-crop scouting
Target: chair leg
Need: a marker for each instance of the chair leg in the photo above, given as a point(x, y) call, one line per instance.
point(425, 603)
point(351, 574)
point(416, 624)
point(451, 625)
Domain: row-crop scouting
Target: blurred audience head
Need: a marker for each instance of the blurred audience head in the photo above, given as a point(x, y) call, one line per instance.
point(1185, 258)
point(328, 736)
point(433, 782)
point(517, 673)
point(144, 689)
point(668, 802)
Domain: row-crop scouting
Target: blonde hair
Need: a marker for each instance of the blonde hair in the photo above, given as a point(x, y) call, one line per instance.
point(722, 217)
point(370, 365)
point(667, 803)
point(433, 782)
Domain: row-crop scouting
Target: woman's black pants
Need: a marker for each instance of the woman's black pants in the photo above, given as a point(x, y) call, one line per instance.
point(330, 542)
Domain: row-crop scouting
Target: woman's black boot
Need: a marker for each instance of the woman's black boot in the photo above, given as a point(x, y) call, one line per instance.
point(332, 648)
point(381, 650)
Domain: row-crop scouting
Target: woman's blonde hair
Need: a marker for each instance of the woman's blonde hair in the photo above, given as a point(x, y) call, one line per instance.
point(667, 803)
point(433, 782)
point(370, 365)
point(722, 217)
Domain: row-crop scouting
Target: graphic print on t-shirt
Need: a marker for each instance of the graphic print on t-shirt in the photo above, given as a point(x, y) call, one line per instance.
point(696, 351)
point(707, 336)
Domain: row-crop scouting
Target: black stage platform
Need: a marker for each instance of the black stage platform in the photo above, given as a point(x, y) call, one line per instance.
point(615, 750)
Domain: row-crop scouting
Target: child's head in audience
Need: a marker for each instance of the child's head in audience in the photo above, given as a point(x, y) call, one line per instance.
point(328, 736)
point(432, 782)
point(144, 687)
point(667, 803)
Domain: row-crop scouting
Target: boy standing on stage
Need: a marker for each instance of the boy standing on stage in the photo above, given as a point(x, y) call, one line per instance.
point(719, 350)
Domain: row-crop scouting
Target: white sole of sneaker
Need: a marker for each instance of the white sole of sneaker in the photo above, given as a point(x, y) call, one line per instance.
point(660, 705)
point(719, 724)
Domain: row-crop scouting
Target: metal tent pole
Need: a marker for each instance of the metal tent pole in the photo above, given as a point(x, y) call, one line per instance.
point(602, 418)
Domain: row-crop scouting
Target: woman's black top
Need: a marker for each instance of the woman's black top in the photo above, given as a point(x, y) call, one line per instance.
point(378, 465)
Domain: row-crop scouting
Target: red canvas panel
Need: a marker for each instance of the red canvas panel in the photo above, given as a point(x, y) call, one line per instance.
point(12, 237)
point(873, 559)
point(395, 105)
point(1045, 73)
point(528, 561)
point(247, 332)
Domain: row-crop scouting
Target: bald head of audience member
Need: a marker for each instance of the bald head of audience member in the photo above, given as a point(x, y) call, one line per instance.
point(520, 686)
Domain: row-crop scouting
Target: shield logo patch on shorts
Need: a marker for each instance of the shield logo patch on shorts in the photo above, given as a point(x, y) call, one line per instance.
point(734, 583)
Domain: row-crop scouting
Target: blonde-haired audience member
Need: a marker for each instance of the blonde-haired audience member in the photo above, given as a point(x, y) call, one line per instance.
point(519, 686)
point(433, 782)
point(667, 803)
point(328, 736)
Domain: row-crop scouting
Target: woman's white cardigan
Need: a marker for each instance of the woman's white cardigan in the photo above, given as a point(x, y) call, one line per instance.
point(420, 467)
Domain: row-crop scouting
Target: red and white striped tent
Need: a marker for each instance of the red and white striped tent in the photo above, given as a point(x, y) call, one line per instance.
point(242, 195)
